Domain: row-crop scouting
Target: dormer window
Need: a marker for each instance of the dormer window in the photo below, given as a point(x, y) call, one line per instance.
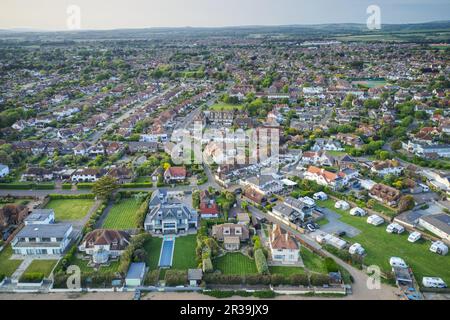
point(226, 231)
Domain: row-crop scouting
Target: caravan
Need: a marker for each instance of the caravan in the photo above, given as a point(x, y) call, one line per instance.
point(439, 247)
point(397, 262)
point(431, 282)
point(356, 248)
point(375, 220)
point(358, 212)
point(415, 236)
point(395, 228)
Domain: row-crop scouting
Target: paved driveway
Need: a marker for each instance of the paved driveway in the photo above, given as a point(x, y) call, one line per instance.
point(336, 225)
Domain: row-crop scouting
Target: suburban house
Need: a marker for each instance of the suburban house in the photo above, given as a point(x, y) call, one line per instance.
point(423, 149)
point(37, 174)
point(208, 206)
point(38, 238)
point(175, 174)
point(383, 168)
point(103, 244)
point(348, 175)
point(438, 224)
point(385, 194)
point(327, 144)
point(264, 184)
point(87, 175)
point(254, 196)
point(347, 162)
point(167, 215)
point(4, 170)
point(231, 235)
point(319, 158)
point(293, 210)
point(283, 248)
point(122, 174)
point(324, 177)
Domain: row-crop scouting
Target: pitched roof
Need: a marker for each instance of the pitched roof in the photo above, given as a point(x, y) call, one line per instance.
point(281, 239)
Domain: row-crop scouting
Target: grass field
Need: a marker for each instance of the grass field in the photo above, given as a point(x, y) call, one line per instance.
point(122, 215)
point(184, 253)
point(286, 270)
point(153, 249)
point(235, 263)
point(70, 209)
point(41, 266)
point(7, 266)
point(225, 107)
point(380, 246)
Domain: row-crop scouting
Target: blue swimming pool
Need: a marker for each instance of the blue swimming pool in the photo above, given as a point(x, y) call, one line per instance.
point(165, 258)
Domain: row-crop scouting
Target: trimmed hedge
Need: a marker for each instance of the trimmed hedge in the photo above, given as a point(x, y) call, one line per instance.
point(71, 196)
point(66, 186)
point(176, 278)
point(32, 277)
point(12, 186)
point(85, 185)
point(136, 185)
point(261, 262)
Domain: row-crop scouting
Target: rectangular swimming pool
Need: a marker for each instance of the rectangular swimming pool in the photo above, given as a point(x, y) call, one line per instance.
point(165, 258)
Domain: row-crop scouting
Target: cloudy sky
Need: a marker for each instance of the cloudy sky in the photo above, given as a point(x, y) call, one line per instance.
point(111, 14)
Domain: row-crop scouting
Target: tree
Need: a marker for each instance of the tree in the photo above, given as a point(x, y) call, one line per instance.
point(104, 187)
point(371, 203)
point(406, 203)
point(396, 145)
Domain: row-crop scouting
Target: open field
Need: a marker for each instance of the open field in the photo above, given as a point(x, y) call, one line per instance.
point(122, 215)
point(70, 209)
point(380, 246)
point(235, 263)
point(7, 266)
point(184, 253)
point(153, 249)
point(41, 266)
point(225, 107)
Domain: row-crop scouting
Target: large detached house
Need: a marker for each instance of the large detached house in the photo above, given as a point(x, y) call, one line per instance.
point(167, 215)
point(208, 206)
point(283, 248)
point(103, 244)
point(383, 168)
point(324, 177)
point(41, 236)
point(385, 194)
point(231, 235)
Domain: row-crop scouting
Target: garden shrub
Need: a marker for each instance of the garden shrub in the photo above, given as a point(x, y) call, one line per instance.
point(261, 262)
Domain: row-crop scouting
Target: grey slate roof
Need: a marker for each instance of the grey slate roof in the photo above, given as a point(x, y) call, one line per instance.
point(57, 230)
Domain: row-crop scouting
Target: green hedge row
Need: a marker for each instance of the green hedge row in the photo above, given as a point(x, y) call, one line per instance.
point(27, 186)
point(71, 196)
point(32, 277)
point(84, 185)
point(136, 185)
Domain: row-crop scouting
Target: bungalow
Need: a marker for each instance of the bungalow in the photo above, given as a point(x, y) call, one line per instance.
point(4, 170)
point(103, 244)
point(283, 248)
point(385, 194)
point(324, 178)
point(383, 168)
point(208, 206)
point(231, 235)
point(175, 174)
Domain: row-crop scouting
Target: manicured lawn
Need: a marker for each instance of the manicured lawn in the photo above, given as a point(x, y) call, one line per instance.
point(184, 253)
point(41, 266)
point(70, 209)
point(336, 153)
point(312, 261)
point(153, 249)
point(122, 215)
point(235, 263)
point(380, 246)
point(7, 266)
point(83, 264)
point(286, 271)
point(225, 107)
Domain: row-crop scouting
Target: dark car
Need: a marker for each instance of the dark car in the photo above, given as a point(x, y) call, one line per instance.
point(238, 191)
point(340, 233)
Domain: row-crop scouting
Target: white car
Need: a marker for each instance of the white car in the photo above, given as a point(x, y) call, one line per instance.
point(413, 237)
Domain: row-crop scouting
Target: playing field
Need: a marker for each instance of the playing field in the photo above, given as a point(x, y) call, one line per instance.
point(70, 209)
point(122, 215)
point(235, 263)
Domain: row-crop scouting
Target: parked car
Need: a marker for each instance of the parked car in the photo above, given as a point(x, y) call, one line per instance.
point(340, 233)
point(310, 227)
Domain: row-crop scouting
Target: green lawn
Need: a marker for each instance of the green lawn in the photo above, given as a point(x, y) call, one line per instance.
point(84, 268)
point(286, 270)
point(225, 107)
point(184, 253)
point(312, 261)
point(122, 215)
point(336, 153)
point(153, 249)
point(235, 263)
point(70, 209)
point(380, 246)
point(41, 266)
point(7, 266)
point(322, 222)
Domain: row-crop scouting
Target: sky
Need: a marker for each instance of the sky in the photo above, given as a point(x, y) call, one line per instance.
point(116, 14)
